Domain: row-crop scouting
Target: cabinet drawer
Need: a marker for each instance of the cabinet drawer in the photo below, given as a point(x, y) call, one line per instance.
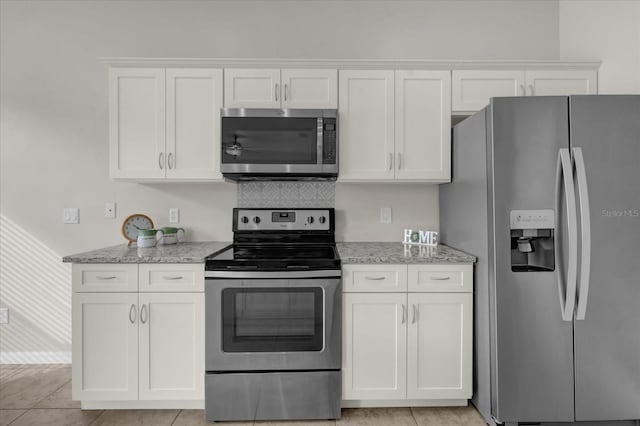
point(374, 278)
point(440, 278)
point(172, 277)
point(105, 277)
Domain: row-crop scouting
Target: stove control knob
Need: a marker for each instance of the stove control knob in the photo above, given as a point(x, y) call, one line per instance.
point(244, 219)
point(322, 219)
point(310, 219)
point(256, 219)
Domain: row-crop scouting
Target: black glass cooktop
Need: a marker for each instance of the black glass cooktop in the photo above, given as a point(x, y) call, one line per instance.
point(274, 257)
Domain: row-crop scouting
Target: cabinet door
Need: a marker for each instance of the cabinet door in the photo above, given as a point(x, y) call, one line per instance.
point(194, 99)
point(309, 88)
point(137, 123)
point(439, 346)
point(171, 346)
point(366, 103)
point(374, 349)
point(471, 89)
point(423, 125)
point(252, 88)
point(105, 346)
point(561, 83)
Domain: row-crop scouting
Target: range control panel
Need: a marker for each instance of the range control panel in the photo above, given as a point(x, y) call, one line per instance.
point(282, 220)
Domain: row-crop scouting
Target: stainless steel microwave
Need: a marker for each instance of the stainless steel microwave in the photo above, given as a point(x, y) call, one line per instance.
point(279, 144)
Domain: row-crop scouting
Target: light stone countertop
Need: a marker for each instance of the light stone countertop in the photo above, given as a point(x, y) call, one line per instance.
point(391, 252)
point(187, 252)
point(195, 252)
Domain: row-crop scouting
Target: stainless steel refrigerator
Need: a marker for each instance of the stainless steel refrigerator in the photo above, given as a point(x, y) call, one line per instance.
point(546, 193)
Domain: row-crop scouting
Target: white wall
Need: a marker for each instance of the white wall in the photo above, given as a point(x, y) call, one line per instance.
point(53, 93)
point(608, 30)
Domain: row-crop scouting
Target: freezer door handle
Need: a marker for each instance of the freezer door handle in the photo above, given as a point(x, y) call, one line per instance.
point(585, 232)
point(567, 292)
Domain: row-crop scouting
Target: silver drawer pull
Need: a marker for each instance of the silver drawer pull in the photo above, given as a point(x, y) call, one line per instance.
point(143, 314)
point(440, 278)
point(132, 314)
point(374, 278)
point(178, 277)
point(111, 277)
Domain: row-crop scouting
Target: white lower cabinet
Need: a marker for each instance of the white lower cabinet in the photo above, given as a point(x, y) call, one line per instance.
point(407, 346)
point(139, 346)
point(105, 346)
point(171, 346)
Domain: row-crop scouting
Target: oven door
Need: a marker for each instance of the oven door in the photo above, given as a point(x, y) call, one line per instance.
point(273, 324)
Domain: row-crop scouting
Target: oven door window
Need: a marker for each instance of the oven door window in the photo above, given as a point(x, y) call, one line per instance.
point(272, 319)
point(259, 140)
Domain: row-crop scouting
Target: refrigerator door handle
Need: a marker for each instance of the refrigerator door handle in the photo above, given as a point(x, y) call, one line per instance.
point(585, 232)
point(564, 173)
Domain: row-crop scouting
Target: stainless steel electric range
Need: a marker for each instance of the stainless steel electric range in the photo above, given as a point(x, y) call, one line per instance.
point(273, 318)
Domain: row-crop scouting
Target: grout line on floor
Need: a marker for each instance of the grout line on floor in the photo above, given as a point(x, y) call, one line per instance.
point(176, 417)
point(97, 417)
point(12, 421)
point(57, 389)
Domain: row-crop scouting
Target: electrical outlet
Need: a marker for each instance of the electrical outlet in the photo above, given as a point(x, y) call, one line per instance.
point(174, 215)
point(71, 215)
point(110, 210)
point(385, 215)
point(4, 315)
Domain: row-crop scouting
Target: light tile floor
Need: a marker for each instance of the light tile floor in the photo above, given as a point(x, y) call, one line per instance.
point(35, 395)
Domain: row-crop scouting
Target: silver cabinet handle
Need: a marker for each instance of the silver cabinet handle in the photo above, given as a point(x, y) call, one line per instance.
point(564, 172)
point(585, 231)
point(161, 160)
point(110, 277)
point(143, 314)
point(286, 89)
point(277, 90)
point(399, 160)
point(404, 314)
point(390, 161)
point(522, 89)
point(440, 278)
point(415, 314)
point(531, 90)
point(374, 278)
point(132, 314)
point(170, 160)
point(175, 277)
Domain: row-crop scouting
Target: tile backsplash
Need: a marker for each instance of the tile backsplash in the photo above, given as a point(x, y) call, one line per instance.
point(286, 194)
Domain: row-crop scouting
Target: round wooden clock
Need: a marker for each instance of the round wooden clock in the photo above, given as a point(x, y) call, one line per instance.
point(133, 223)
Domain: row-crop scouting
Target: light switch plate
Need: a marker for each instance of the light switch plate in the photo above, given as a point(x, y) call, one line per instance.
point(71, 215)
point(385, 215)
point(174, 215)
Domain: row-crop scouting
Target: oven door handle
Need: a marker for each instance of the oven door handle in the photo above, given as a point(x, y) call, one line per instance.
point(256, 274)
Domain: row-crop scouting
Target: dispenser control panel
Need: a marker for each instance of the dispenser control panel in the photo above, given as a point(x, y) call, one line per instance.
point(533, 219)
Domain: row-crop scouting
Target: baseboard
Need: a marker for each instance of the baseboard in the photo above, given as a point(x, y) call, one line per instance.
point(142, 405)
point(35, 357)
point(404, 403)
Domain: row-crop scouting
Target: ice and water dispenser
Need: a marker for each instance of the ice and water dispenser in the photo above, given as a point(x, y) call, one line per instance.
point(532, 245)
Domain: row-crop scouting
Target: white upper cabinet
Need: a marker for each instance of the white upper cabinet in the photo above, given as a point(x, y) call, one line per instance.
point(137, 122)
point(395, 125)
point(275, 88)
point(164, 124)
point(366, 132)
point(472, 89)
point(423, 125)
point(561, 82)
point(251, 88)
point(194, 99)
